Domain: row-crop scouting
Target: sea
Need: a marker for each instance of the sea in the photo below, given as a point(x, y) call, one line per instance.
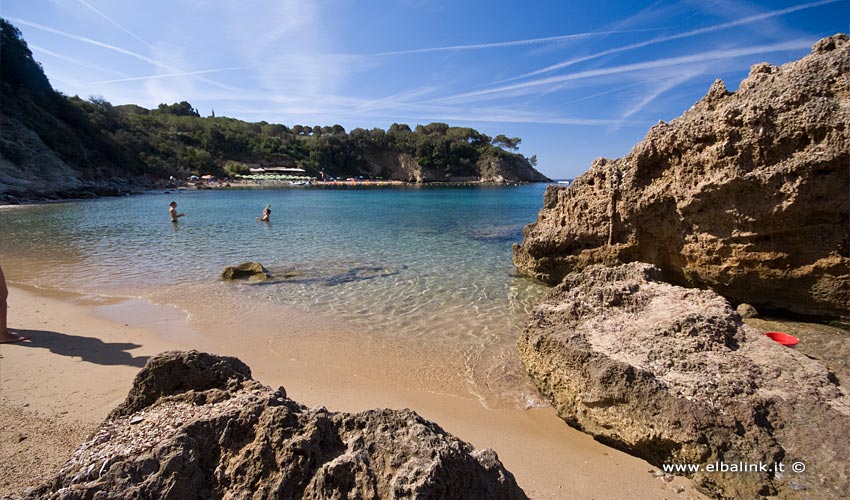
point(425, 272)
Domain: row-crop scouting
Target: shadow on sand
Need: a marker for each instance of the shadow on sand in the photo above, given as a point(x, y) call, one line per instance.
point(88, 348)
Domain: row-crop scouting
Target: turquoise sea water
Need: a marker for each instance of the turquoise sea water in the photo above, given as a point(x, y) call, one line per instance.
point(426, 266)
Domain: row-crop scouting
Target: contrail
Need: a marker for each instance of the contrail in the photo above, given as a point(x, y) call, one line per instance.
point(529, 41)
point(709, 29)
point(169, 75)
point(658, 63)
point(114, 22)
point(114, 48)
point(74, 61)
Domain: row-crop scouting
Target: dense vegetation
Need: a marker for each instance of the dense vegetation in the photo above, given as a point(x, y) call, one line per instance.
point(97, 138)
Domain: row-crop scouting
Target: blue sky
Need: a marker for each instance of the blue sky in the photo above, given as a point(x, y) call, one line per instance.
point(574, 80)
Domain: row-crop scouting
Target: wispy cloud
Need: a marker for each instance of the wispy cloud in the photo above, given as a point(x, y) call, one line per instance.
point(417, 113)
point(395, 99)
point(168, 75)
point(286, 46)
point(687, 34)
point(78, 62)
point(514, 43)
point(670, 81)
point(114, 48)
point(91, 42)
point(114, 22)
point(646, 65)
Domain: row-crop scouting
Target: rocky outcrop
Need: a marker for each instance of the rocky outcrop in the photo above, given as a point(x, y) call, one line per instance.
point(673, 375)
point(197, 426)
point(493, 167)
point(245, 270)
point(745, 193)
point(508, 168)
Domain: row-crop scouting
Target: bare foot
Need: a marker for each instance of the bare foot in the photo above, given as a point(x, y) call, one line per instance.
point(12, 337)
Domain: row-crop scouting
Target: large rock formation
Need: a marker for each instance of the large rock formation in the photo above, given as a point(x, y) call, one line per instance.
point(493, 167)
point(747, 193)
point(673, 375)
point(197, 426)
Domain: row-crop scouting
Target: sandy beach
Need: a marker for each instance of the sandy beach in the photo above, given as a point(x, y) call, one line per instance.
point(81, 360)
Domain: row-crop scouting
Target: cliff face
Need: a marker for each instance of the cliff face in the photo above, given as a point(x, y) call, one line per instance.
point(196, 425)
point(494, 168)
point(747, 193)
point(672, 375)
point(508, 168)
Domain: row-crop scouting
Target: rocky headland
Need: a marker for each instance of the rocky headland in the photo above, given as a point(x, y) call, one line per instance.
point(673, 375)
point(196, 425)
point(747, 193)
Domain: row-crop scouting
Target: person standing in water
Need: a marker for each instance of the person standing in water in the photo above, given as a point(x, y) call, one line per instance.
point(172, 211)
point(267, 212)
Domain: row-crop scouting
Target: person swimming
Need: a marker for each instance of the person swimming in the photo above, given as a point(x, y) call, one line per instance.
point(266, 214)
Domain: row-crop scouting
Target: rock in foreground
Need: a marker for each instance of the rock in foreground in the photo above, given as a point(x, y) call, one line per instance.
point(245, 270)
point(746, 193)
point(197, 426)
point(673, 375)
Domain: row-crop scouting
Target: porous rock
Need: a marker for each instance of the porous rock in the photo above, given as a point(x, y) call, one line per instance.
point(746, 193)
point(245, 270)
point(672, 375)
point(205, 429)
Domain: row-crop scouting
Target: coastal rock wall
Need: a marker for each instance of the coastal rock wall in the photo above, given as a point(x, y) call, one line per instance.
point(196, 425)
point(673, 375)
point(747, 193)
point(504, 168)
point(491, 168)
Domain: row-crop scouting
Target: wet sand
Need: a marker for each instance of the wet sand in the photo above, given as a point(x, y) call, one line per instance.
point(84, 352)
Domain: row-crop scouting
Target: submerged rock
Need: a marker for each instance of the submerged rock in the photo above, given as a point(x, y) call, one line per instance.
point(196, 425)
point(245, 270)
point(673, 375)
point(746, 193)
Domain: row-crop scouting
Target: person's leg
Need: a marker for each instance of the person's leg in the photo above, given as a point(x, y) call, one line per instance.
point(5, 334)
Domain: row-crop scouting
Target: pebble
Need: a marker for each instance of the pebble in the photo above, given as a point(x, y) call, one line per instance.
point(668, 478)
point(678, 489)
point(135, 420)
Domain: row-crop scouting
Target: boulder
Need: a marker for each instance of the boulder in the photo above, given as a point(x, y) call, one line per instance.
point(245, 270)
point(746, 193)
point(673, 375)
point(197, 425)
point(747, 311)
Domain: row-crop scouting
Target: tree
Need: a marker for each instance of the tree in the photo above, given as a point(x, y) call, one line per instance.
point(19, 69)
point(182, 108)
point(433, 128)
point(533, 160)
point(214, 140)
point(398, 128)
point(298, 129)
point(506, 142)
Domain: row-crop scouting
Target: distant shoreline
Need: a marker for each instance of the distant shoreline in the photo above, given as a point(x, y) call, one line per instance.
point(114, 190)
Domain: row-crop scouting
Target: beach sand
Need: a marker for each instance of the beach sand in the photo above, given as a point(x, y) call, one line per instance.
point(84, 352)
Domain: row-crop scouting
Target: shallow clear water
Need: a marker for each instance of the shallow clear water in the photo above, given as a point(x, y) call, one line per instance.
point(429, 268)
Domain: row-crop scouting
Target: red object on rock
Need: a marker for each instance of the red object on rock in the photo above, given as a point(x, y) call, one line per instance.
point(783, 338)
